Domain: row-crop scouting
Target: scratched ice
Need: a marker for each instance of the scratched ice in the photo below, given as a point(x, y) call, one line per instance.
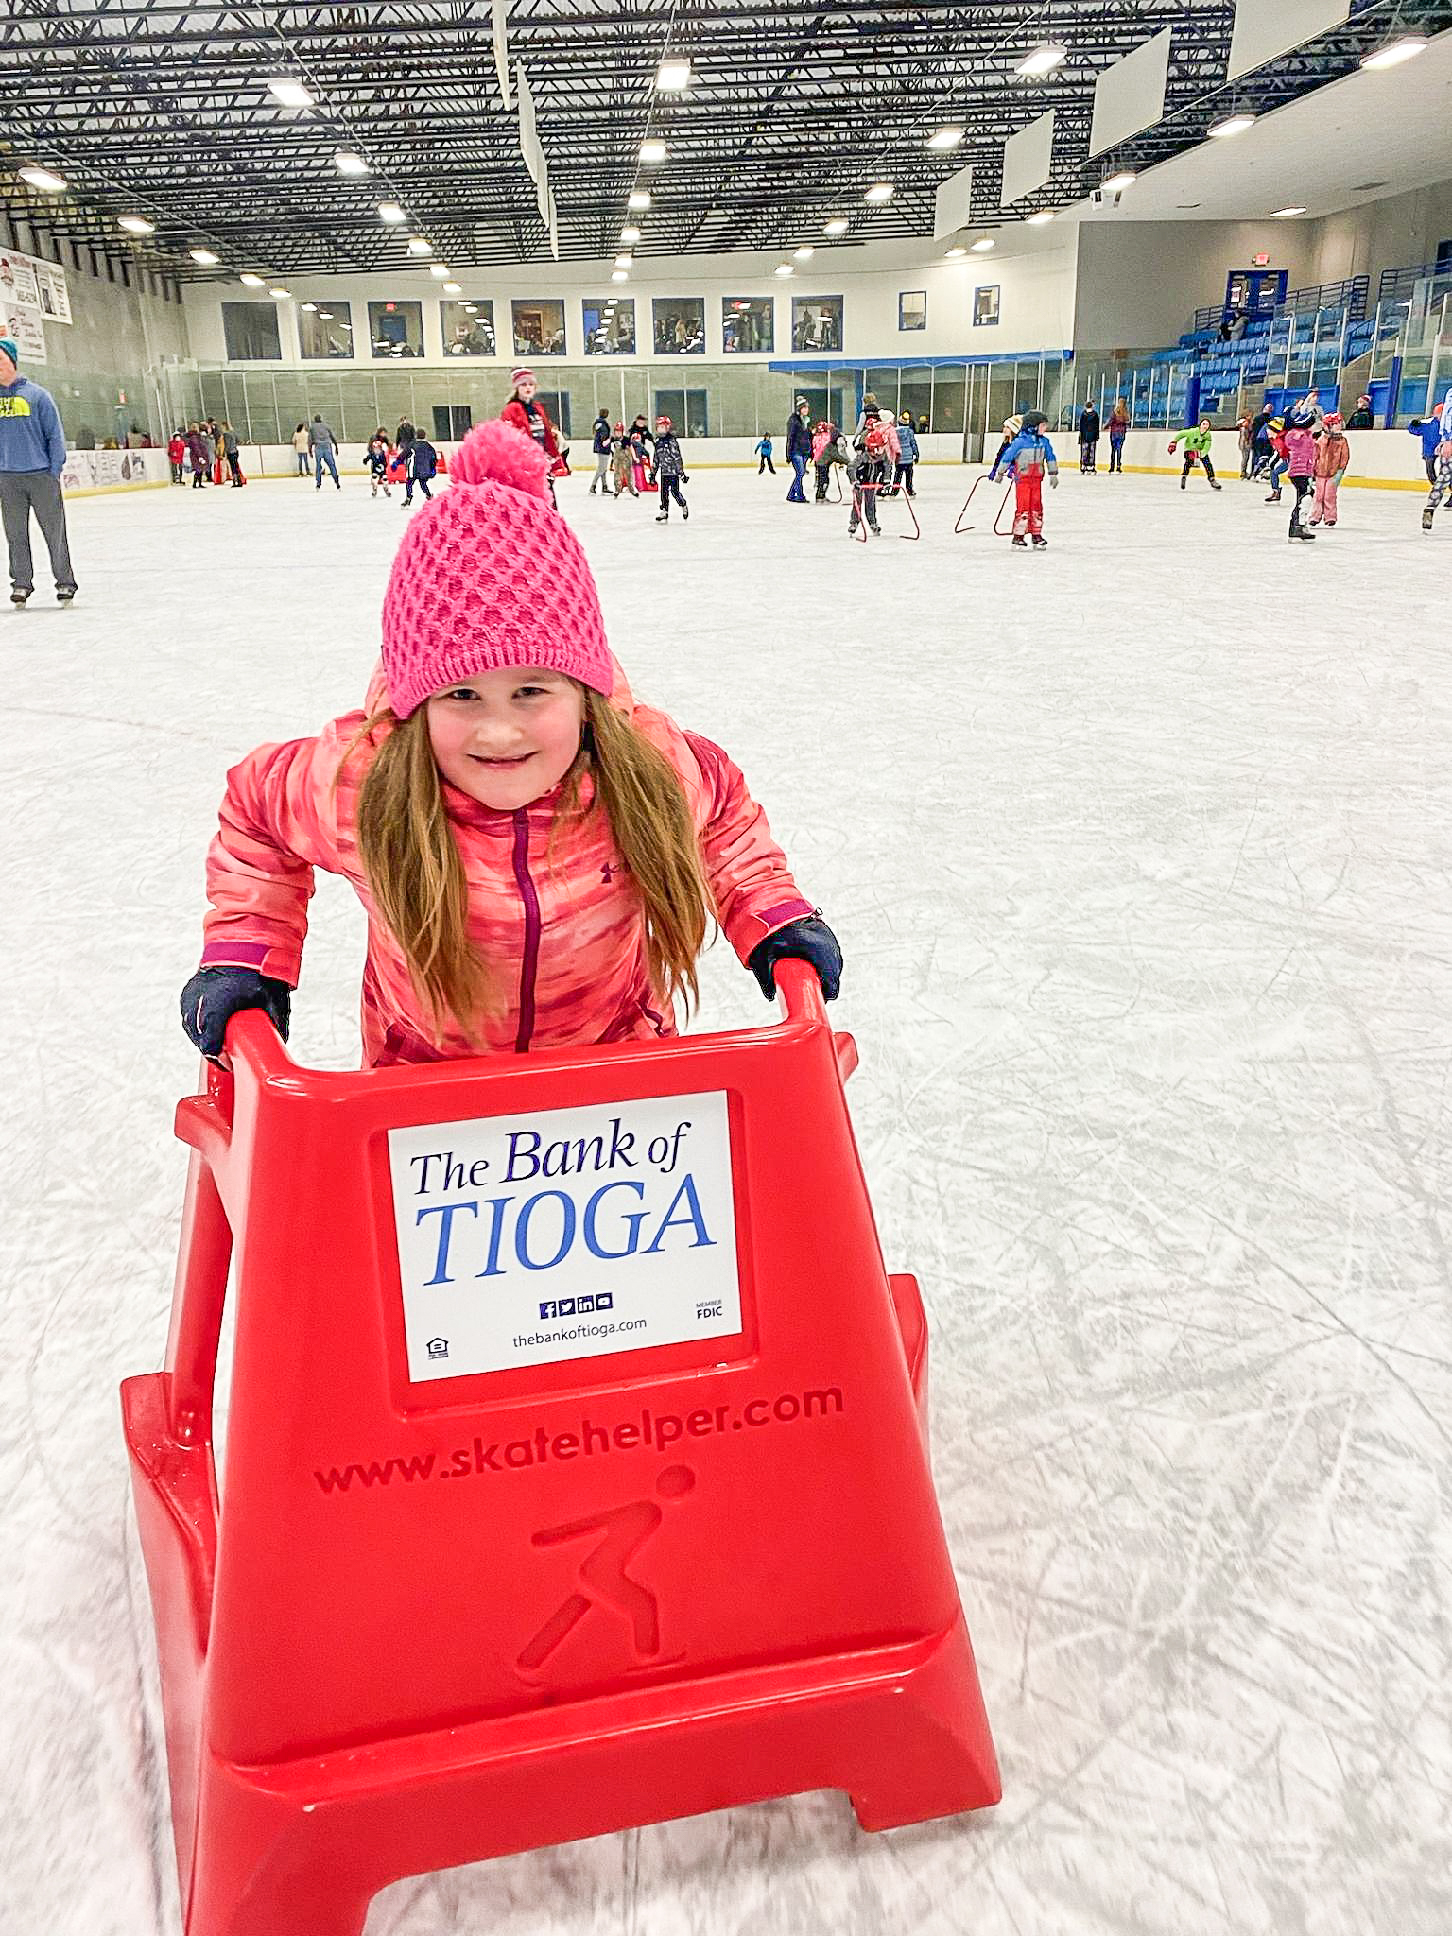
point(1139, 854)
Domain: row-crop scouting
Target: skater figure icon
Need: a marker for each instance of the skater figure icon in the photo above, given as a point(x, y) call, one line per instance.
point(610, 1586)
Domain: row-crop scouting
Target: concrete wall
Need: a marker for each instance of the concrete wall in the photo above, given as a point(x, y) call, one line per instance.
point(1140, 283)
point(1392, 234)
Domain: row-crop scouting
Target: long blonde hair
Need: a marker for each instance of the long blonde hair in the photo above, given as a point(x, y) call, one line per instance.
point(419, 889)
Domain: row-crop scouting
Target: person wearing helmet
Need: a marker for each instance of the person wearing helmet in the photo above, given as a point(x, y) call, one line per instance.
point(1028, 459)
point(668, 468)
point(1333, 460)
point(621, 464)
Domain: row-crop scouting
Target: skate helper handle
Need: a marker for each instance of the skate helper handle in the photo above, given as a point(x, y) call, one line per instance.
point(204, 1122)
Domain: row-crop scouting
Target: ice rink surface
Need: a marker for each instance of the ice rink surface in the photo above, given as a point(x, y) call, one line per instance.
point(1138, 851)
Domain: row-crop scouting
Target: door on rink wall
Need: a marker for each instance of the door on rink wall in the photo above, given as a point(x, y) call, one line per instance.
point(1255, 292)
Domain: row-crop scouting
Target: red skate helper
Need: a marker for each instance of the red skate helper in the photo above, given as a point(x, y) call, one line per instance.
point(576, 1467)
point(1027, 459)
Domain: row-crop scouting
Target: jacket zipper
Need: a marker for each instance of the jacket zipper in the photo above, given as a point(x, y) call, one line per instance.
point(529, 966)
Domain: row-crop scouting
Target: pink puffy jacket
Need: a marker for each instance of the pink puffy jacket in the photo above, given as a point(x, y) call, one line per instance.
point(558, 917)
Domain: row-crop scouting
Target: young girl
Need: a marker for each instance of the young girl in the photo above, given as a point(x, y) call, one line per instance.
point(380, 456)
point(527, 413)
point(1333, 460)
point(669, 470)
point(1028, 459)
point(539, 855)
point(623, 464)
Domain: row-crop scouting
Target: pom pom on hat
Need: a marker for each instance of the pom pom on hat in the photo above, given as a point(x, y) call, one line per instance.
point(490, 575)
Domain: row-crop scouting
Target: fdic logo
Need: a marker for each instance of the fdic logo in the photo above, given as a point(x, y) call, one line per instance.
point(570, 1307)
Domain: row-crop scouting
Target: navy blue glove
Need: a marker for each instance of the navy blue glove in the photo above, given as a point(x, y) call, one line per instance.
point(214, 995)
point(811, 941)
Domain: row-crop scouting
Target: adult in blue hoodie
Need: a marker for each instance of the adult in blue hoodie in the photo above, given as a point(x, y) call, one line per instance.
point(32, 453)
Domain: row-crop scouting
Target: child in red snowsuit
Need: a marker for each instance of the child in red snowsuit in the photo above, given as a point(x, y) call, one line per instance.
point(1029, 457)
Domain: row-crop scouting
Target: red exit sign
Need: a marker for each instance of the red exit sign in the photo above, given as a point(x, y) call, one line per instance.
point(1261, 262)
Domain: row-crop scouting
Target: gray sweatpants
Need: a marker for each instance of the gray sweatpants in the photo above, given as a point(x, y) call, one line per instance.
point(22, 492)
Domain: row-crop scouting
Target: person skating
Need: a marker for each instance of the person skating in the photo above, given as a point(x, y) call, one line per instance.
point(1428, 432)
point(1361, 417)
point(826, 451)
point(1333, 460)
point(1262, 448)
point(876, 450)
point(1011, 427)
point(1198, 444)
point(1276, 430)
point(527, 413)
point(1029, 459)
point(1089, 441)
point(229, 449)
point(601, 444)
point(176, 453)
point(500, 705)
point(1119, 428)
point(423, 466)
point(642, 442)
point(799, 449)
point(379, 458)
point(300, 449)
point(1300, 441)
point(902, 476)
point(1442, 482)
point(669, 468)
point(622, 462)
point(763, 451)
point(32, 457)
point(323, 443)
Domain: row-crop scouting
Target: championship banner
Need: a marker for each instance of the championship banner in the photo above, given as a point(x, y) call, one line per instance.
point(32, 293)
point(565, 1233)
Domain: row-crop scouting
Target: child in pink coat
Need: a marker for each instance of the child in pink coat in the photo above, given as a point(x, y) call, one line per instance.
point(539, 854)
point(1333, 460)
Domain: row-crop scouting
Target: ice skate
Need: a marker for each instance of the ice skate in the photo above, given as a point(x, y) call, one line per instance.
point(1020, 544)
point(1427, 517)
point(662, 517)
point(18, 598)
point(1040, 544)
point(1215, 485)
point(685, 512)
point(1274, 498)
point(64, 594)
point(1299, 533)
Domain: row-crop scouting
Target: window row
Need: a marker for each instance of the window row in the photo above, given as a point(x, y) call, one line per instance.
point(253, 334)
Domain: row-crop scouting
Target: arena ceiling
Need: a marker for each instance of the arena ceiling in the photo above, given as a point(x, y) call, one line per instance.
point(793, 111)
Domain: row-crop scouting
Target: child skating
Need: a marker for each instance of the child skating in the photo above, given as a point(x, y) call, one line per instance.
point(1028, 460)
point(763, 451)
point(876, 452)
point(1442, 482)
point(622, 464)
point(540, 856)
point(1333, 460)
point(601, 445)
point(1198, 443)
point(669, 470)
point(380, 455)
point(1301, 470)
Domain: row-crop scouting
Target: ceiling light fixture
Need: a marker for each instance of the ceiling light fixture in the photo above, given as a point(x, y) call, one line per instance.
point(630, 235)
point(253, 282)
point(954, 253)
point(1042, 59)
point(137, 225)
point(624, 261)
point(1284, 214)
point(311, 306)
point(44, 179)
point(292, 94)
point(620, 275)
point(984, 244)
point(1116, 184)
point(1233, 124)
point(945, 139)
point(391, 212)
point(673, 77)
point(785, 269)
point(639, 200)
point(652, 152)
point(420, 245)
point(1405, 48)
point(804, 253)
point(280, 293)
point(325, 315)
point(837, 226)
point(453, 288)
point(207, 257)
point(440, 271)
point(347, 163)
point(879, 192)
point(1041, 219)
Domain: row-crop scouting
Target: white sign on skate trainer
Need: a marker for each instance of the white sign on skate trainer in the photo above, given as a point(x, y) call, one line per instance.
point(565, 1233)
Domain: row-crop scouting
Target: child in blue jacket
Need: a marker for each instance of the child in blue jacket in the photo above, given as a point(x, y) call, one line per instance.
point(1030, 458)
point(763, 450)
point(902, 476)
point(1429, 430)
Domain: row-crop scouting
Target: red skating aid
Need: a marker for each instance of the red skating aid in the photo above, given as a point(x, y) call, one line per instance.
point(490, 1570)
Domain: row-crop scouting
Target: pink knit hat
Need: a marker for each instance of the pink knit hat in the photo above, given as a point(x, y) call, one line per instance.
point(489, 574)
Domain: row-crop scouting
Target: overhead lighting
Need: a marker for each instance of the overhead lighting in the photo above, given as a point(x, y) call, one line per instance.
point(347, 163)
point(954, 253)
point(985, 243)
point(652, 152)
point(945, 139)
point(620, 275)
point(207, 257)
point(1042, 59)
point(1284, 214)
point(453, 288)
point(879, 192)
point(440, 271)
point(44, 179)
point(1396, 51)
point(325, 315)
point(311, 306)
point(1232, 125)
point(471, 309)
point(137, 225)
point(639, 200)
point(673, 77)
point(391, 212)
point(785, 269)
point(624, 261)
point(1116, 184)
point(804, 253)
point(253, 282)
point(630, 235)
point(837, 226)
point(420, 245)
point(292, 94)
point(1041, 220)
point(280, 293)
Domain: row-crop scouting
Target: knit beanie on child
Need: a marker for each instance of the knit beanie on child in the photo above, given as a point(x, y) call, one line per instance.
point(10, 347)
point(488, 575)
